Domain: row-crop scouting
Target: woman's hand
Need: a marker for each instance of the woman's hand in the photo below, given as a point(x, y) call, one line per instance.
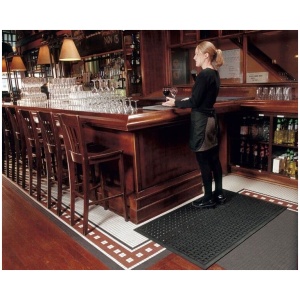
point(169, 102)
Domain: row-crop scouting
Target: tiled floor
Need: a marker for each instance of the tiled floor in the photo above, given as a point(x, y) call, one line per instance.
point(124, 231)
point(127, 248)
point(236, 183)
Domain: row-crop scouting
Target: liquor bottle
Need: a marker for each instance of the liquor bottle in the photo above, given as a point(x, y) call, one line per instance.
point(266, 130)
point(138, 78)
point(286, 162)
point(242, 153)
point(284, 130)
point(248, 154)
point(296, 132)
point(133, 58)
point(296, 166)
point(266, 158)
point(291, 133)
point(244, 129)
point(133, 41)
point(138, 56)
point(252, 127)
point(291, 165)
point(254, 154)
point(278, 132)
point(133, 78)
point(261, 157)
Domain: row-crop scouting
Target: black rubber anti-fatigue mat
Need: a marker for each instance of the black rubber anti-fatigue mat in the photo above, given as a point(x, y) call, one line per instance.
point(203, 236)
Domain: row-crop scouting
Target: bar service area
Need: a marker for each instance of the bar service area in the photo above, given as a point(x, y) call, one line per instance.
point(113, 82)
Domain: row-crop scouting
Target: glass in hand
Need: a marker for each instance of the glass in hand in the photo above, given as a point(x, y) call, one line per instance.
point(166, 91)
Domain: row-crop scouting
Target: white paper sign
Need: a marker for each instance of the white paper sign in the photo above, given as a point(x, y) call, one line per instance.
point(257, 77)
point(231, 67)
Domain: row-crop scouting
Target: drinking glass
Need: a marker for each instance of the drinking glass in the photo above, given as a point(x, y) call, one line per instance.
point(166, 91)
point(94, 89)
point(173, 91)
point(135, 105)
point(279, 95)
point(272, 93)
point(265, 93)
point(258, 93)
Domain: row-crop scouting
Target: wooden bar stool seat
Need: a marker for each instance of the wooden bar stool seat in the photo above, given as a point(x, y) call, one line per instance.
point(91, 186)
point(55, 156)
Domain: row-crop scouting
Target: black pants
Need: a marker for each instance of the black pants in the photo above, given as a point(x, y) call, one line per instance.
point(210, 167)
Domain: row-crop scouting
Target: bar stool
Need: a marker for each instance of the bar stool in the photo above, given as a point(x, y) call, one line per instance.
point(35, 153)
point(9, 146)
point(80, 155)
point(20, 145)
point(55, 156)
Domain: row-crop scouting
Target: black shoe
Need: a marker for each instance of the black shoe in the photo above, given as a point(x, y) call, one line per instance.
point(220, 199)
point(204, 202)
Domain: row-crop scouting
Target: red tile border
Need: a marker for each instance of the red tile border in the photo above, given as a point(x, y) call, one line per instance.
point(288, 204)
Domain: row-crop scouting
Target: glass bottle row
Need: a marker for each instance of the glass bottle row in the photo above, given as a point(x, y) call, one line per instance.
point(286, 132)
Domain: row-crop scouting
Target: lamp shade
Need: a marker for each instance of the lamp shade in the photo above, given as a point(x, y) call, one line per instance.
point(4, 68)
point(69, 51)
point(17, 64)
point(44, 56)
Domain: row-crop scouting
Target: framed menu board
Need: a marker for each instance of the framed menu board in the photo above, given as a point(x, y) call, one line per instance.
point(92, 42)
point(232, 65)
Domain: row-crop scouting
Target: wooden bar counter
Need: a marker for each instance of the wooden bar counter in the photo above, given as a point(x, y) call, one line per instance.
point(161, 170)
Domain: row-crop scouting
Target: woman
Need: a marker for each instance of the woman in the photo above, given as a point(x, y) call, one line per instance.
point(204, 127)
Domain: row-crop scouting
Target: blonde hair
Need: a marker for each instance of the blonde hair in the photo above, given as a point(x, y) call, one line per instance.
point(215, 55)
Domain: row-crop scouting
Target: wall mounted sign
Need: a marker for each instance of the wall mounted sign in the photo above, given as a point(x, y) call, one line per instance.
point(180, 71)
point(257, 77)
point(92, 42)
point(232, 64)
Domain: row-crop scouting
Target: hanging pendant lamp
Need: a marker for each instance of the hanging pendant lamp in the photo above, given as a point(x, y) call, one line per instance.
point(17, 64)
point(4, 68)
point(44, 56)
point(69, 51)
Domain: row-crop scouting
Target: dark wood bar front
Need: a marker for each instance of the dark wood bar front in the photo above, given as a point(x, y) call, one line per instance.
point(161, 171)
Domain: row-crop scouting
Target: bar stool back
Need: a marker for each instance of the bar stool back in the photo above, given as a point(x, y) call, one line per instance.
point(92, 187)
point(35, 153)
point(9, 146)
point(55, 157)
point(20, 145)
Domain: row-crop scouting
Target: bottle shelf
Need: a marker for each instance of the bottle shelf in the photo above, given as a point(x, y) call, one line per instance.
point(254, 152)
point(285, 146)
point(264, 175)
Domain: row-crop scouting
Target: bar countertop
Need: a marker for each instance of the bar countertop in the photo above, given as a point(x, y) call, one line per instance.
point(157, 115)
